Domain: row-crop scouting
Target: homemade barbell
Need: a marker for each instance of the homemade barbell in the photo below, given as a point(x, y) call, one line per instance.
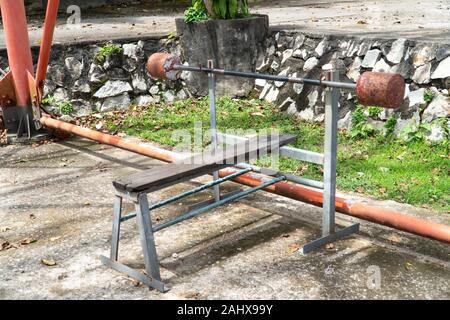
point(372, 89)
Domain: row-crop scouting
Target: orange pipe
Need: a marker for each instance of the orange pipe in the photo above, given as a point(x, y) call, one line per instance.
point(18, 47)
point(146, 150)
point(47, 39)
point(388, 218)
point(381, 216)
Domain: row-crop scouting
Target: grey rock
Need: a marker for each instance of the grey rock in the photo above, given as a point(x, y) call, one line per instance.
point(279, 84)
point(81, 86)
point(436, 134)
point(299, 40)
point(286, 104)
point(260, 83)
point(381, 66)
point(272, 95)
point(403, 124)
point(144, 100)
point(312, 98)
point(363, 49)
point(130, 50)
point(422, 74)
point(404, 68)
point(96, 74)
point(154, 90)
point(346, 122)
point(422, 54)
point(275, 65)
point(438, 108)
point(416, 98)
point(122, 101)
point(443, 70)
point(310, 64)
point(321, 47)
point(118, 74)
point(353, 48)
point(263, 67)
point(371, 58)
point(297, 53)
point(271, 50)
point(397, 51)
point(74, 67)
point(61, 95)
point(286, 55)
point(113, 88)
point(139, 84)
point(169, 96)
point(57, 75)
point(265, 90)
point(306, 114)
point(442, 52)
point(181, 95)
point(353, 72)
point(66, 118)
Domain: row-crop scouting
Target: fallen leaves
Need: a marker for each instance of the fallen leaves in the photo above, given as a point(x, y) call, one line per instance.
point(48, 262)
point(27, 241)
point(293, 248)
point(5, 245)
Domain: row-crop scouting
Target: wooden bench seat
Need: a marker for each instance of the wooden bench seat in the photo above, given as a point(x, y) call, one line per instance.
point(196, 166)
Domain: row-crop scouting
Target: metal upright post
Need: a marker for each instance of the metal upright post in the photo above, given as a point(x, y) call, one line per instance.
point(213, 122)
point(329, 233)
point(330, 153)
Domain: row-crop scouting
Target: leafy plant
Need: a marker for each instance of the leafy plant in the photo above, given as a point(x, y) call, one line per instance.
point(197, 12)
point(414, 133)
point(360, 128)
point(374, 111)
point(390, 125)
point(48, 100)
point(216, 9)
point(66, 107)
point(429, 95)
point(106, 51)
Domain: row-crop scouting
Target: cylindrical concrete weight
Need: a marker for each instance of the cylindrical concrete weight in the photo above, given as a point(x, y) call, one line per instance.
point(160, 66)
point(381, 89)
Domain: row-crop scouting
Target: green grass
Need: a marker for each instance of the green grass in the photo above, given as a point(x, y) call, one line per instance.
point(415, 172)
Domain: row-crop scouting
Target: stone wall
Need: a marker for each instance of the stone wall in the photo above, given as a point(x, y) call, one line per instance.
point(76, 75)
point(425, 66)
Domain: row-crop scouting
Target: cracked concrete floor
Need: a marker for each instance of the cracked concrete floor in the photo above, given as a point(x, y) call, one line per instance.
point(58, 196)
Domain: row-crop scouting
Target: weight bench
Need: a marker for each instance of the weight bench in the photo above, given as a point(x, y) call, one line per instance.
point(137, 186)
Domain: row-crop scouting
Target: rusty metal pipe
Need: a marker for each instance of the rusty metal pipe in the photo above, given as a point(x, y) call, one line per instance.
point(47, 39)
point(146, 150)
point(384, 217)
point(18, 47)
point(381, 216)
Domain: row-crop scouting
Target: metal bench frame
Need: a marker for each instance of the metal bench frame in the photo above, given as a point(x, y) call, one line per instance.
point(142, 212)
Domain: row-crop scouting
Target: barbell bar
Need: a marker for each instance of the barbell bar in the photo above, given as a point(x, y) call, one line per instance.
point(372, 89)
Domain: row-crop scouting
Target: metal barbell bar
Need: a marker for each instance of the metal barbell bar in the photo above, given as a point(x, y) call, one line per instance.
point(372, 89)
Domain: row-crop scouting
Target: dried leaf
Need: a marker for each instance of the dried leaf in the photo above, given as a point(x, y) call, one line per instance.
point(48, 262)
point(382, 190)
point(26, 241)
point(4, 245)
point(254, 114)
point(4, 229)
point(293, 248)
point(361, 22)
point(191, 295)
point(360, 189)
point(394, 239)
point(32, 216)
point(55, 238)
point(329, 246)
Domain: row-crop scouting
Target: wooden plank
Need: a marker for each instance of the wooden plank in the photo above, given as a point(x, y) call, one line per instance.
point(167, 175)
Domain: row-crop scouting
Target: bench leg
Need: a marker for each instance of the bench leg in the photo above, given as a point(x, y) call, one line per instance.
point(117, 213)
point(147, 239)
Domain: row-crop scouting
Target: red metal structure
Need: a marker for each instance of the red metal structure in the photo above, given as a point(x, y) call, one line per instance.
point(20, 91)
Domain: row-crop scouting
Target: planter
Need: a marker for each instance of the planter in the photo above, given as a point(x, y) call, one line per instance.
point(236, 44)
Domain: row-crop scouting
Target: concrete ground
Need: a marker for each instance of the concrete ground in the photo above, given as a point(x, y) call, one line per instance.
point(426, 20)
point(56, 204)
